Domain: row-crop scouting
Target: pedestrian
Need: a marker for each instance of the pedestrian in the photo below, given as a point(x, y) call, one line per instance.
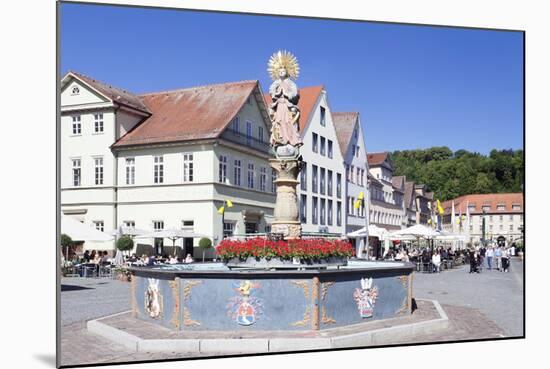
point(490, 254)
point(436, 261)
point(473, 261)
point(86, 256)
point(498, 258)
point(189, 258)
point(505, 259)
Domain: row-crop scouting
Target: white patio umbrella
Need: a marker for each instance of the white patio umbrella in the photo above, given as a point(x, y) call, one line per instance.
point(417, 230)
point(172, 234)
point(81, 232)
point(374, 231)
point(127, 231)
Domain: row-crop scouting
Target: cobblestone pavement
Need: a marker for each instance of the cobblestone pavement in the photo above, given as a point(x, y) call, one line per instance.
point(498, 295)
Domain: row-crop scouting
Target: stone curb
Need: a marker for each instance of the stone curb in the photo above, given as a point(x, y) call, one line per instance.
point(381, 336)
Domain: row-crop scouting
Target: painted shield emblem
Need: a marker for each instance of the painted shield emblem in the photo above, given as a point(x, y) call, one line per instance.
point(246, 315)
point(365, 297)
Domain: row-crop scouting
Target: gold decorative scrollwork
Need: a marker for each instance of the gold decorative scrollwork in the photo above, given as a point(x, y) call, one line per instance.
point(187, 321)
point(304, 285)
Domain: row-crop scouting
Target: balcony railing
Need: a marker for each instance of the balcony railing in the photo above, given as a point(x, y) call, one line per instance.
point(250, 141)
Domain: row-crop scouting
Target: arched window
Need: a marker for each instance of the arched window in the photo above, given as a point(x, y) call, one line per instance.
point(75, 90)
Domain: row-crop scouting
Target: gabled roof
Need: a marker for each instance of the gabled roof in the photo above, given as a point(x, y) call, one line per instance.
point(374, 180)
point(409, 192)
point(191, 113)
point(344, 124)
point(309, 96)
point(491, 200)
point(398, 183)
point(117, 95)
point(376, 159)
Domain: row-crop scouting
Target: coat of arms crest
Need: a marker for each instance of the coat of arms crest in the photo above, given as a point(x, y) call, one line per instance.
point(245, 309)
point(366, 297)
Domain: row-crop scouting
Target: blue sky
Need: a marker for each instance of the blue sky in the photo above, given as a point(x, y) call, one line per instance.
point(414, 86)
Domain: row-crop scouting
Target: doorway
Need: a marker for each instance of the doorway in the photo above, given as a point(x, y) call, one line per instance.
point(187, 247)
point(159, 246)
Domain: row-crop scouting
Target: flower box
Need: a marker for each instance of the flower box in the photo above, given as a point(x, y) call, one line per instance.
point(264, 253)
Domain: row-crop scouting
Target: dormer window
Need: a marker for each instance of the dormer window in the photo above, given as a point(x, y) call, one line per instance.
point(75, 90)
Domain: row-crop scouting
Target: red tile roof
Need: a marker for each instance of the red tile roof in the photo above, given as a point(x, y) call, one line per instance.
point(188, 114)
point(308, 99)
point(492, 200)
point(344, 124)
point(376, 158)
point(118, 95)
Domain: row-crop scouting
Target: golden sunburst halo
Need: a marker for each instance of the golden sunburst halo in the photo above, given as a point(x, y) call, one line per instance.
point(283, 59)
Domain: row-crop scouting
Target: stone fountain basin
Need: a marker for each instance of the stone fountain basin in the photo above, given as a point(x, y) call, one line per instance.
point(213, 297)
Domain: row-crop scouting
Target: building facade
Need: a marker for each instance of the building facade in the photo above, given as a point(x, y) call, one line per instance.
point(503, 214)
point(166, 160)
point(386, 202)
point(322, 190)
point(352, 144)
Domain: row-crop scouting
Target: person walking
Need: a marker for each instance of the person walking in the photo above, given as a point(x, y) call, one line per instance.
point(498, 258)
point(505, 260)
point(473, 261)
point(490, 253)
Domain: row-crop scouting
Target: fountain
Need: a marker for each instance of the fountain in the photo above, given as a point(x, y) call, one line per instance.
point(279, 283)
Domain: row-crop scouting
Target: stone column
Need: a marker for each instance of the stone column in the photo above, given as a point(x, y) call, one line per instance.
point(286, 214)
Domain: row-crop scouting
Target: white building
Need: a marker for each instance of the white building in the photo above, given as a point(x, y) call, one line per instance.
point(166, 160)
point(321, 192)
point(503, 213)
point(352, 144)
point(386, 202)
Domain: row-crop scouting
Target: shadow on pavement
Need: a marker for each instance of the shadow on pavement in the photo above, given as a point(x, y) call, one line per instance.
point(68, 287)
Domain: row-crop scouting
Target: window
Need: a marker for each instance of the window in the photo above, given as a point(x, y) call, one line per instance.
point(314, 210)
point(130, 171)
point(511, 218)
point(75, 90)
point(472, 208)
point(77, 126)
point(76, 172)
point(351, 172)
point(228, 229)
point(99, 225)
point(516, 207)
point(222, 169)
point(129, 224)
point(338, 213)
point(322, 181)
point(314, 178)
point(491, 227)
point(250, 176)
point(235, 125)
point(261, 134)
point(357, 151)
point(501, 207)
point(188, 167)
point(158, 169)
point(348, 175)
point(98, 123)
point(303, 208)
point(329, 212)
point(323, 212)
point(248, 133)
point(358, 175)
point(355, 132)
point(323, 116)
point(323, 142)
point(98, 162)
point(329, 147)
point(263, 178)
point(329, 183)
point(187, 223)
point(338, 185)
point(315, 137)
point(303, 177)
point(511, 227)
point(273, 178)
point(158, 225)
point(486, 207)
point(501, 227)
point(237, 173)
point(353, 150)
point(500, 218)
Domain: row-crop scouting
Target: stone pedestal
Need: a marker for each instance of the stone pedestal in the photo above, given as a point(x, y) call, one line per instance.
point(286, 206)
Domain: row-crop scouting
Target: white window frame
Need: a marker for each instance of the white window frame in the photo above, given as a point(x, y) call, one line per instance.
point(237, 172)
point(158, 169)
point(99, 225)
point(77, 172)
point(188, 167)
point(98, 170)
point(130, 170)
point(249, 127)
point(235, 125)
point(222, 169)
point(156, 224)
point(77, 125)
point(250, 176)
point(273, 178)
point(263, 178)
point(260, 133)
point(99, 127)
point(130, 224)
point(329, 149)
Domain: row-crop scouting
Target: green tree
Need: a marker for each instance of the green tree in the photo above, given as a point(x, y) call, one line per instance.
point(125, 243)
point(204, 244)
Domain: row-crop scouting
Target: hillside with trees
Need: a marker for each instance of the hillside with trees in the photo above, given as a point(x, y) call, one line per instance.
point(451, 174)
